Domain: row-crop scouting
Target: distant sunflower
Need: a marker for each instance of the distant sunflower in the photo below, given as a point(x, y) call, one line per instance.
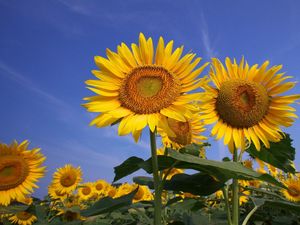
point(124, 189)
point(66, 179)
point(139, 87)
point(110, 191)
point(55, 194)
point(87, 191)
point(20, 169)
point(143, 194)
point(187, 132)
point(245, 103)
point(23, 218)
point(100, 186)
point(292, 193)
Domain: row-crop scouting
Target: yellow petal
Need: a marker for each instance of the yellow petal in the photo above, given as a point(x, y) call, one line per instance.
point(136, 135)
point(254, 138)
point(152, 121)
point(228, 135)
point(125, 126)
point(172, 114)
point(160, 51)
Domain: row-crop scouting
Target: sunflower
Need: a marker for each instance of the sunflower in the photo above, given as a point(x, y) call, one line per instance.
point(87, 191)
point(100, 186)
point(110, 191)
point(292, 193)
point(20, 169)
point(55, 194)
point(23, 218)
point(124, 189)
point(66, 179)
point(140, 88)
point(143, 194)
point(187, 132)
point(245, 103)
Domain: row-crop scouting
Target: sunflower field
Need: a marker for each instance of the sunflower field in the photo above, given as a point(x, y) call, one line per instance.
point(161, 91)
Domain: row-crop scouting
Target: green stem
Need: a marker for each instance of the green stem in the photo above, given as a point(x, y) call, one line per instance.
point(249, 215)
point(235, 192)
point(157, 195)
point(225, 194)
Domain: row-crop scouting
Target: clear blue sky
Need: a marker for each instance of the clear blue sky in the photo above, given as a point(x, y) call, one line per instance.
point(47, 50)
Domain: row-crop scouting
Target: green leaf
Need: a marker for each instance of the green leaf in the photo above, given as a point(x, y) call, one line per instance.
point(13, 208)
point(222, 170)
point(196, 184)
point(108, 204)
point(128, 167)
point(289, 206)
point(193, 149)
point(280, 154)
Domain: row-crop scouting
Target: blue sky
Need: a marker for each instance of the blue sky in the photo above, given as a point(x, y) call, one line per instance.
point(47, 50)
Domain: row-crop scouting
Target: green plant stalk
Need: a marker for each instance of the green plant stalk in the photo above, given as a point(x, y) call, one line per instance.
point(249, 215)
point(235, 192)
point(225, 194)
point(156, 179)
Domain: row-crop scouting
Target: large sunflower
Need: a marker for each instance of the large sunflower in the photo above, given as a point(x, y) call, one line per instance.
point(66, 179)
point(245, 103)
point(20, 169)
point(187, 132)
point(139, 87)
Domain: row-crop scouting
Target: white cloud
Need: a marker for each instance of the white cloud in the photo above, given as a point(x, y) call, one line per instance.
point(206, 41)
point(24, 81)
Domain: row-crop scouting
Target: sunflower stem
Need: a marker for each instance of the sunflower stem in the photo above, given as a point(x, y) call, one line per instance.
point(157, 191)
point(225, 194)
point(235, 192)
point(249, 215)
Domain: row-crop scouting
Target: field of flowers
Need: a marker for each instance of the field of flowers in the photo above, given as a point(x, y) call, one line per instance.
point(143, 86)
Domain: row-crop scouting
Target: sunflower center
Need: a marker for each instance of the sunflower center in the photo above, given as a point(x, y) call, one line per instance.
point(23, 215)
point(182, 131)
point(58, 193)
point(99, 187)
point(71, 216)
point(139, 195)
point(242, 103)
point(148, 89)
point(86, 190)
point(13, 172)
point(68, 180)
point(293, 191)
point(111, 193)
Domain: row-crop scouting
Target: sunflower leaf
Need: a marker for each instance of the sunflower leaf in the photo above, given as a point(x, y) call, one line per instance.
point(280, 154)
point(222, 171)
point(128, 167)
point(108, 204)
point(196, 184)
point(13, 208)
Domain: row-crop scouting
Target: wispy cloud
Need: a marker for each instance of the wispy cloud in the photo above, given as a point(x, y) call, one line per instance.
point(210, 51)
point(76, 7)
point(24, 81)
point(62, 108)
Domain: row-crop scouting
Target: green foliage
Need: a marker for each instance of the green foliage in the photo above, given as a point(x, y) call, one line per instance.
point(222, 171)
point(13, 208)
point(280, 154)
point(197, 184)
point(108, 204)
